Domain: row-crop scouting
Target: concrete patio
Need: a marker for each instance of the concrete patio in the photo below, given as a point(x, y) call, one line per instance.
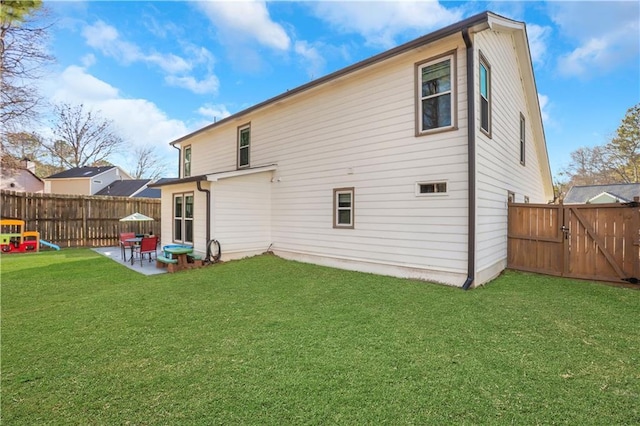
point(115, 254)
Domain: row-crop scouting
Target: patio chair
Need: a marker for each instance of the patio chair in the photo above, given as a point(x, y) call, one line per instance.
point(124, 245)
point(148, 246)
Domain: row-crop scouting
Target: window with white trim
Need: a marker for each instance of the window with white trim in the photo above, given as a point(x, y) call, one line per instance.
point(343, 208)
point(523, 147)
point(183, 218)
point(244, 145)
point(431, 188)
point(436, 94)
point(485, 96)
point(186, 162)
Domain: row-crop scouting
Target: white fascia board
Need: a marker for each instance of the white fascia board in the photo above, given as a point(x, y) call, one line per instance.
point(214, 177)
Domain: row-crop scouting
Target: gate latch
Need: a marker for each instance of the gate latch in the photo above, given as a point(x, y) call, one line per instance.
point(565, 229)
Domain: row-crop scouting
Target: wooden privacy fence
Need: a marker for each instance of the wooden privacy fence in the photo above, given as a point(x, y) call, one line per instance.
point(79, 220)
point(590, 241)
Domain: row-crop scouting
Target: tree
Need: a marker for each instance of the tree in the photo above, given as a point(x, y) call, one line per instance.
point(588, 166)
point(616, 162)
point(148, 165)
point(81, 138)
point(623, 151)
point(23, 145)
point(23, 57)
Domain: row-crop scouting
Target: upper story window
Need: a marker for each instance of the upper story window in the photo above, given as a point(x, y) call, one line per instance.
point(436, 94)
point(523, 145)
point(485, 96)
point(186, 163)
point(244, 144)
point(343, 206)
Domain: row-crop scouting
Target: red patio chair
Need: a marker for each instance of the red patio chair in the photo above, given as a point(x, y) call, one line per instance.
point(124, 245)
point(148, 245)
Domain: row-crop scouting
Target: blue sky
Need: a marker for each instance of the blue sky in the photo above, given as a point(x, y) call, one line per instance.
point(162, 69)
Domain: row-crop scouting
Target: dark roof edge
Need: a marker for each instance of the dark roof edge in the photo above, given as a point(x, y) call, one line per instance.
point(428, 38)
point(178, 181)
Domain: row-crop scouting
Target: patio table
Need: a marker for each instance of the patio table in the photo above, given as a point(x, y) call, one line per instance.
point(180, 253)
point(134, 242)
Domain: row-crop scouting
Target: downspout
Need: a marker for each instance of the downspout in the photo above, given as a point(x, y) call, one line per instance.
point(471, 159)
point(206, 191)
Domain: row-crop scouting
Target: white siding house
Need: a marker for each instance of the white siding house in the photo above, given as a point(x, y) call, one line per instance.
point(384, 166)
point(84, 180)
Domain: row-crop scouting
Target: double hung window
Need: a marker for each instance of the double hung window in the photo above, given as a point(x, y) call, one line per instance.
point(523, 146)
point(343, 208)
point(244, 144)
point(485, 96)
point(436, 94)
point(183, 218)
point(186, 163)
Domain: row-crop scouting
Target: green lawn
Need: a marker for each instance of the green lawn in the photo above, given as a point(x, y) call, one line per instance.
point(268, 341)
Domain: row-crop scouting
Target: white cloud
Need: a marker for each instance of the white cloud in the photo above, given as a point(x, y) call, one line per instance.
point(538, 41)
point(139, 121)
point(245, 21)
point(200, 87)
point(606, 35)
point(107, 40)
point(214, 112)
point(381, 22)
point(543, 100)
point(313, 59)
point(88, 60)
point(75, 85)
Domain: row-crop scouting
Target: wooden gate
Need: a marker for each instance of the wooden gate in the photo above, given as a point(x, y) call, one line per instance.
point(590, 241)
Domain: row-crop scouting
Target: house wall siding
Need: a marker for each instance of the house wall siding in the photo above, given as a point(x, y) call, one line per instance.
point(242, 218)
point(199, 214)
point(69, 186)
point(106, 178)
point(357, 131)
point(22, 180)
point(498, 158)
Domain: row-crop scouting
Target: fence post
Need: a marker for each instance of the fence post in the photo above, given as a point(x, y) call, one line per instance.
point(84, 222)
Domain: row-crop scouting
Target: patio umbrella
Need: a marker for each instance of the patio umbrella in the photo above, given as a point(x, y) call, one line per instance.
point(136, 217)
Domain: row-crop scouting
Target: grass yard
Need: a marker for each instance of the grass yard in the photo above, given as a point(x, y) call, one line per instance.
point(267, 341)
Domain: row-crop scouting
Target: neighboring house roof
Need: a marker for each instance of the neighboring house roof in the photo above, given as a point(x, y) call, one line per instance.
point(14, 172)
point(149, 192)
point(620, 192)
point(80, 172)
point(85, 172)
point(124, 188)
